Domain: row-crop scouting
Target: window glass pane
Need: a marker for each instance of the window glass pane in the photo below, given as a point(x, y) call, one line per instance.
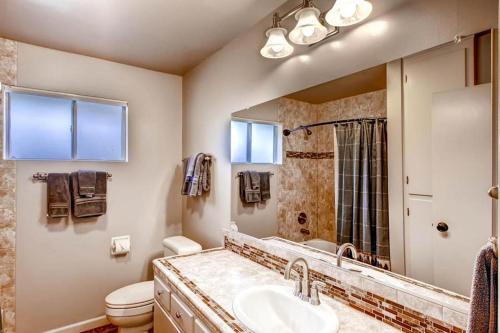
point(40, 127)
point(262, 143)
point(100, 131)
point(239, 142)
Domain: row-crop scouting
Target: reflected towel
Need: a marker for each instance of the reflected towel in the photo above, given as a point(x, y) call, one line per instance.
point(86, 183)
point(265, 186)
point(484, 294)
point(85, 206)
point(58, 197)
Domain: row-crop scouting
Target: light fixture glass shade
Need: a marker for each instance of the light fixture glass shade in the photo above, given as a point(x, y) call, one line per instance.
point(277, 46)
point(308, 29)
point(348, 12)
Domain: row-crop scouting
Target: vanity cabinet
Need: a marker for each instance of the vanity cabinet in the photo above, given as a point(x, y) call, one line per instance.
point(172, 315)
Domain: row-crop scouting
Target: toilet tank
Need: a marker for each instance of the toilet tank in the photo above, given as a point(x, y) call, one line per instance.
point(179, 245)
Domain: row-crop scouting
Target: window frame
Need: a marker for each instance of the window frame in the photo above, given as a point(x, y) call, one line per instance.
point(74, 98)
point(277, 141)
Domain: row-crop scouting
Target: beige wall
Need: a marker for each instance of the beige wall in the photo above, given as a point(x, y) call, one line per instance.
point(237, 77)
point(64, 269)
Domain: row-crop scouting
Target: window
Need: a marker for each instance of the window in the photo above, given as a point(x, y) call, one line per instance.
point(255, 142)
point(40, 125)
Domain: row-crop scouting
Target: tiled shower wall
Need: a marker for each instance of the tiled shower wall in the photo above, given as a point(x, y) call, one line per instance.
point(307, 177)
point(8, 73)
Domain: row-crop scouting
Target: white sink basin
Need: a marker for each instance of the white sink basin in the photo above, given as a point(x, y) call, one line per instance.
point(273, 309)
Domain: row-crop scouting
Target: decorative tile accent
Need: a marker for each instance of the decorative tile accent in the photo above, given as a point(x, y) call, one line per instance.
point(8, 74)
point(379, 304)
point(309, 155)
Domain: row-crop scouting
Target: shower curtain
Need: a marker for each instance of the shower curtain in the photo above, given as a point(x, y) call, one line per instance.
point(362, 204)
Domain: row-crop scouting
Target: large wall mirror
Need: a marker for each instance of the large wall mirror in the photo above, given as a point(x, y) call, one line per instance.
point(396, 159)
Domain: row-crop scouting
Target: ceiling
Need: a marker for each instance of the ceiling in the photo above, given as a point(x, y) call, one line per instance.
point(371, 79)
point(171, 36)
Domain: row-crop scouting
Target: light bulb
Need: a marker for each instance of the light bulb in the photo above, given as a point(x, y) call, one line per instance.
point(276, 46)
point(348, 12)
point(308, 29)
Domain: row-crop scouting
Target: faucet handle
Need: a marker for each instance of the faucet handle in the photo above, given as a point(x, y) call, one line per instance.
point(297, 290)
point(315, 292)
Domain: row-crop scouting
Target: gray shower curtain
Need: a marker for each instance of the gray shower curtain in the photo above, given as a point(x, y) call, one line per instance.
point(362, 203)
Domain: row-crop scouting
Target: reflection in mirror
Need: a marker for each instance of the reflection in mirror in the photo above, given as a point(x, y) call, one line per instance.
point(340, 146)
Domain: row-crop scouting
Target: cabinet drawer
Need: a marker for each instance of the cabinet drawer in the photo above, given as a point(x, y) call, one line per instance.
point(162, 294)
point(182, 315)
point(199, 327)
point(162, 321)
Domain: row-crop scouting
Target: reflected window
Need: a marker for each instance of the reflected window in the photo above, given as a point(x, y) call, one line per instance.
point(255, 142)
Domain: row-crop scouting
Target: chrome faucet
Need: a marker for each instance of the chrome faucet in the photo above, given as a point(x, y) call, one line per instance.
point(341, 251)
point(301, 287)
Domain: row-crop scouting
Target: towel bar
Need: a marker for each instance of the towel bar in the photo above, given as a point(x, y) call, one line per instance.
point(42, 176)
point(241, 174)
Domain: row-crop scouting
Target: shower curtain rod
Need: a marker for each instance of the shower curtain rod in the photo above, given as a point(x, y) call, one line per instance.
point(287, 132)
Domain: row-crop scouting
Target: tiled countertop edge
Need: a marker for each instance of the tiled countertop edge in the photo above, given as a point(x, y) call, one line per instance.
point(395, 307)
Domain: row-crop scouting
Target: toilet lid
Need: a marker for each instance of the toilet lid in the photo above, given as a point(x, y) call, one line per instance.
point(133, 295)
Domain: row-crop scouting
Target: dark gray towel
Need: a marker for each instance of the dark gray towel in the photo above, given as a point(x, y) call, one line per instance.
point(484, 294)
point(84, 206)
point(249, 187)
point(58, 197)
point(265, 186)
point(195, 187)
point(86, 183)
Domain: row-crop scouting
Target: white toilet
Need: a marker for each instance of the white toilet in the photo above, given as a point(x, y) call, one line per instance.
point(131, 308)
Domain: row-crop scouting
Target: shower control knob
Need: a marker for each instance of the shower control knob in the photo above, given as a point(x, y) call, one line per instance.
point(442, 227)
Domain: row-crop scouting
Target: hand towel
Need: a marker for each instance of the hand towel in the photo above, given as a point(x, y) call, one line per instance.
point(252, 186)
point(195, 180)
point(189, 164)
point(86, 183)
point(265, 186)
point(58, 197)
point(85, 206)
point(483, 311)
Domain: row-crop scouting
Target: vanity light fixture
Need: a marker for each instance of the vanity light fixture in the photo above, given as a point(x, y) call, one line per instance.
point(310, 28)
point(277, 46)
point(348, 12)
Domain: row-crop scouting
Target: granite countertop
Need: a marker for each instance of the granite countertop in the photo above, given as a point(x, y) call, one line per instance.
point(220, 274)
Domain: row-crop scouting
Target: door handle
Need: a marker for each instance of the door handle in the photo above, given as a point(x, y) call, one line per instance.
point(442, 227)
point(493, 192)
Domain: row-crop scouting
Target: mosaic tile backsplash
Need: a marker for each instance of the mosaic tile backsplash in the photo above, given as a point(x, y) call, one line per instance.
point(401, 310)
point(306, 178)
point(8, 73)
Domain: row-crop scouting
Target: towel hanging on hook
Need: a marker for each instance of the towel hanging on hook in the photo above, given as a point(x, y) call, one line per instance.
point(494, 242)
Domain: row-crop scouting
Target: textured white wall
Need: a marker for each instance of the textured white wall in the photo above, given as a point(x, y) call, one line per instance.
point(237, 77)
point(64, 271)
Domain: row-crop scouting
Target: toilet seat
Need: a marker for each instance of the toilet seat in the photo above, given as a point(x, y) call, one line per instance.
point(131, 300)
point(127, 312)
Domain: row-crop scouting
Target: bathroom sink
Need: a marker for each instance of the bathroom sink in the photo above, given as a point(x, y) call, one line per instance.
point(272, 309)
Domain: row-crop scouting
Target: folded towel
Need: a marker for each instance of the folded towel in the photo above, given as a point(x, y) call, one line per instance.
point(251, 187)
point(84, 206)
point(86, 183)
point(265, 186)
point(483, 311)
point(189, 164)
point(195, 186)
point(58, 197)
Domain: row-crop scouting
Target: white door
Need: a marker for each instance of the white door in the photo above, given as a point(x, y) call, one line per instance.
point(442, 69)
point(461, 175)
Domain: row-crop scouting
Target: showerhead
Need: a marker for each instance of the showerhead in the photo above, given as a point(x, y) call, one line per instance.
point(286, 132)
point(308, 131)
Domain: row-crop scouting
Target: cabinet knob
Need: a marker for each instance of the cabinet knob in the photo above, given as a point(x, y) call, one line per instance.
point(493, 192)
point(178, 315)
point(442, 227)
point(159, 292)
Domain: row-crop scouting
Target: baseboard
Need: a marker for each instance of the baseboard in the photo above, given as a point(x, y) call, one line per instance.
point(82, 326)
